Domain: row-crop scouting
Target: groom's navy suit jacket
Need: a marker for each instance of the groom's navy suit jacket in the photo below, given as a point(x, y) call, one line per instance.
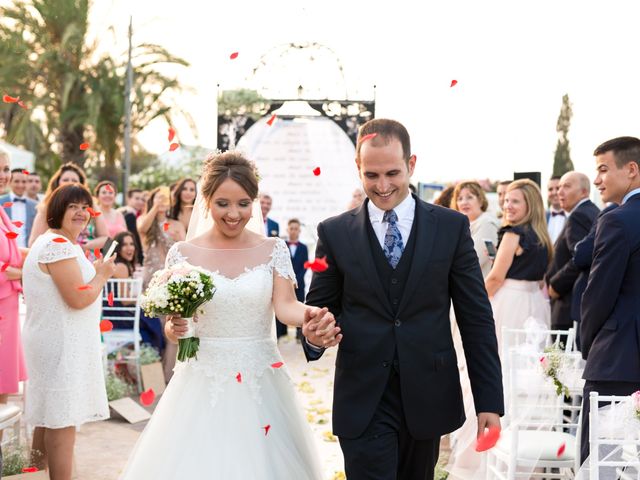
point(415, 333)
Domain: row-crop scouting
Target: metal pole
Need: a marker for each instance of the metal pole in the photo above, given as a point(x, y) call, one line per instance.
point(127, 119)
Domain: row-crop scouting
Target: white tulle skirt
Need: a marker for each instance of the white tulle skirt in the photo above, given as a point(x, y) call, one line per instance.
point(208, 425)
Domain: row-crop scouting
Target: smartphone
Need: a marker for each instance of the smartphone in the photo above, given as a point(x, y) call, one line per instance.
point(491, 248)
point(108, 249)
point(167, 195)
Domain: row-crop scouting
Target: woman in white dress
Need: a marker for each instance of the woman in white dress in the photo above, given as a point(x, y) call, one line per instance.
point(61, 336)
point(231, 413)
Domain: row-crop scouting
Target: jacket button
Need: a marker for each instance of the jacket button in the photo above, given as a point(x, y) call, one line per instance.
point(394, 281)
point(385, 364)
point(397, 323)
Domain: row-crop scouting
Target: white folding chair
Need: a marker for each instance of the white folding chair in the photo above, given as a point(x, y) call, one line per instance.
point(126, 301)
point(536, 426)
point(614, 439)
point(10, 418)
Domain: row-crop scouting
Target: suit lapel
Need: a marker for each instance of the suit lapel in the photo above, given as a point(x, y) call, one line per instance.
point(362, 251)
point(425, 232)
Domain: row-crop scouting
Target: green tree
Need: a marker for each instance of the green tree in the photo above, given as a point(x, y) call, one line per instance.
point(562, 160)
point(74, 95)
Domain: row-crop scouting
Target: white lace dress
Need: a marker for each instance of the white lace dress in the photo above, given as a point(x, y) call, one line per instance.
point(232, 413)
point(61, 344)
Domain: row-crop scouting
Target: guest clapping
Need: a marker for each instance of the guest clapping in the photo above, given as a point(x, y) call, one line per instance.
point(62, 291)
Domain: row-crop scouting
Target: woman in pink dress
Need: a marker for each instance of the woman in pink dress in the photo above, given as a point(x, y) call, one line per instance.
point(106, 192)
point(12, 366)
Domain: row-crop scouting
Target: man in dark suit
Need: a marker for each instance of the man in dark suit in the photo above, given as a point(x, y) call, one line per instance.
point(23, 209)
point(582, 258)
point(299, 255)
point(394, 265)
point(573, 195)
point(555, 215)
point(271, 227)
point(610, 327)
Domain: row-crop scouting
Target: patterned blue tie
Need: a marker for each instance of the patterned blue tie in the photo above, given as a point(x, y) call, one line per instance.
point(393, 246)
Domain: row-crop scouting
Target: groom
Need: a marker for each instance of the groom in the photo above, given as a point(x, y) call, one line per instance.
point(395, 264)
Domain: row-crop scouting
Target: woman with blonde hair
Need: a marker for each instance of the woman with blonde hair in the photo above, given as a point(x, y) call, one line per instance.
point(469, 198)
point(524, 253)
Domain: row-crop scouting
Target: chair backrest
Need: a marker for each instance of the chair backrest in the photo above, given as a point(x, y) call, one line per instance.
point(614, 426)
point(126, 307)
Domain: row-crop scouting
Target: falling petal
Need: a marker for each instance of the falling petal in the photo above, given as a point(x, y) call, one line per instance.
point(84, 287)
point(173, 147)
point(26, 172)
point(4, 267)
point(106, 326)
point(108, 188)
point(84, 146)
point(488, 440)
point(110, 299)
point(147, 398)
point(7, 204)
point(165, 226)
point(18, 223)
point(316, 171)
point(266, 429)
point(239, 377)
point(172, 133)
point(97, 253)
point(93, 213)
point(317, 265)
point(277, 365)
point(10, 99)
point(11, 235)
point(60, 240)
point(271, 120)
point(233, 56)
point(561, 450)
point(454, 83)
point(367, 137)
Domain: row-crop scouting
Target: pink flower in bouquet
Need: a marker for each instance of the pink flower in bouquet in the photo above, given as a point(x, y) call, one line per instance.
point(544, 362)
point(635, 400)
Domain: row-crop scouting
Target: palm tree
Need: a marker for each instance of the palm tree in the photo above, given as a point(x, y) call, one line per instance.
point(72, 94)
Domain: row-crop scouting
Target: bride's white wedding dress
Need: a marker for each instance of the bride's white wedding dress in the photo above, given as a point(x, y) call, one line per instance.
point(230, 413)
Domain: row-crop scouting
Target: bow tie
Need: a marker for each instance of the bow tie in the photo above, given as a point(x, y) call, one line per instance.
point(17, 199)
point(561, 213)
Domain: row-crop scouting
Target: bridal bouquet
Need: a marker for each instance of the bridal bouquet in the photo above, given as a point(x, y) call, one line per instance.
point(552, 363)
point(179, 290)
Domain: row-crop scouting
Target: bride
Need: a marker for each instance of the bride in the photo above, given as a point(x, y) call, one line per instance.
point(232, 413)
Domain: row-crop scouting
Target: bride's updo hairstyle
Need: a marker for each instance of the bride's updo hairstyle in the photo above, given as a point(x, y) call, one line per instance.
point(231, 164)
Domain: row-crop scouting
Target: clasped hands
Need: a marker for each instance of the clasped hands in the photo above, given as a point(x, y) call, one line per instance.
point(319, 328)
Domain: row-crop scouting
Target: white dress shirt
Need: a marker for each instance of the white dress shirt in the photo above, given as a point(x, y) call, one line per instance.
point(293, 248)
point(19, 214)
point(405, 212)
point(555, 224)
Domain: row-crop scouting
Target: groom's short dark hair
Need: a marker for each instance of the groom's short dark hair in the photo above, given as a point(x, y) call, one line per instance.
point(387, 129)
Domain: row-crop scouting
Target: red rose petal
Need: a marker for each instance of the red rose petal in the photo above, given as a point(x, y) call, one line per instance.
point(108, 188)
point(318, 264)
point(316, 171)
point(30, 469)
point(22, 104)
point(239, 377)
point(147, 398)
point(561, 450)
point(26, 172)
point(488, 440)
point(4, 267)
point(266, 429)
point(84, 146)
point(11, 235)
point(93, 213)
point(97, 253)
point(7, 204)
point(165, 226)
point(173, 147)
point(277, 365)
point(10, 99)
point(110, 299)
point(367, 137)
point(84, 287)
point(454, 83)
point(60, 240)
point(233, 56)
point(271, 120)
point(172, 133)
point(18, 223)
point(106, 326)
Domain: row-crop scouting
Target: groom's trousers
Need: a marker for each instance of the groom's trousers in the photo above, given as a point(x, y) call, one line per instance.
point(386, 450)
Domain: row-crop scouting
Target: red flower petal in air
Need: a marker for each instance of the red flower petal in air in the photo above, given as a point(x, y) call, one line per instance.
point(93, 213)
point(239, 377)
point(60, 240)
point(165, 226)
point(97, 253)
point(106, 326)
point(173, 147)
point(266, 429)
point(30, 469)
point(7, 204)
point(561, 450)
point(172, 133)
point(4, 267)
point(318, 264)
point(271, 120)
point(84, 287)
point(488, 440)
point(147, 398)
point(26, 172)
point(11, 235)
point(22, 104)
point(316, 171)
point(84, 146)
point(454, 83)
point(277, 365)
point(367, 137)
point(18, 223)
point(110, 299)
point(10, 99)
point(108, 188)
point(233, 56)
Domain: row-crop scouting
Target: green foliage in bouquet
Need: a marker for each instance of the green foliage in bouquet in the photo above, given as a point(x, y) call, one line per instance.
point(552, 362)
